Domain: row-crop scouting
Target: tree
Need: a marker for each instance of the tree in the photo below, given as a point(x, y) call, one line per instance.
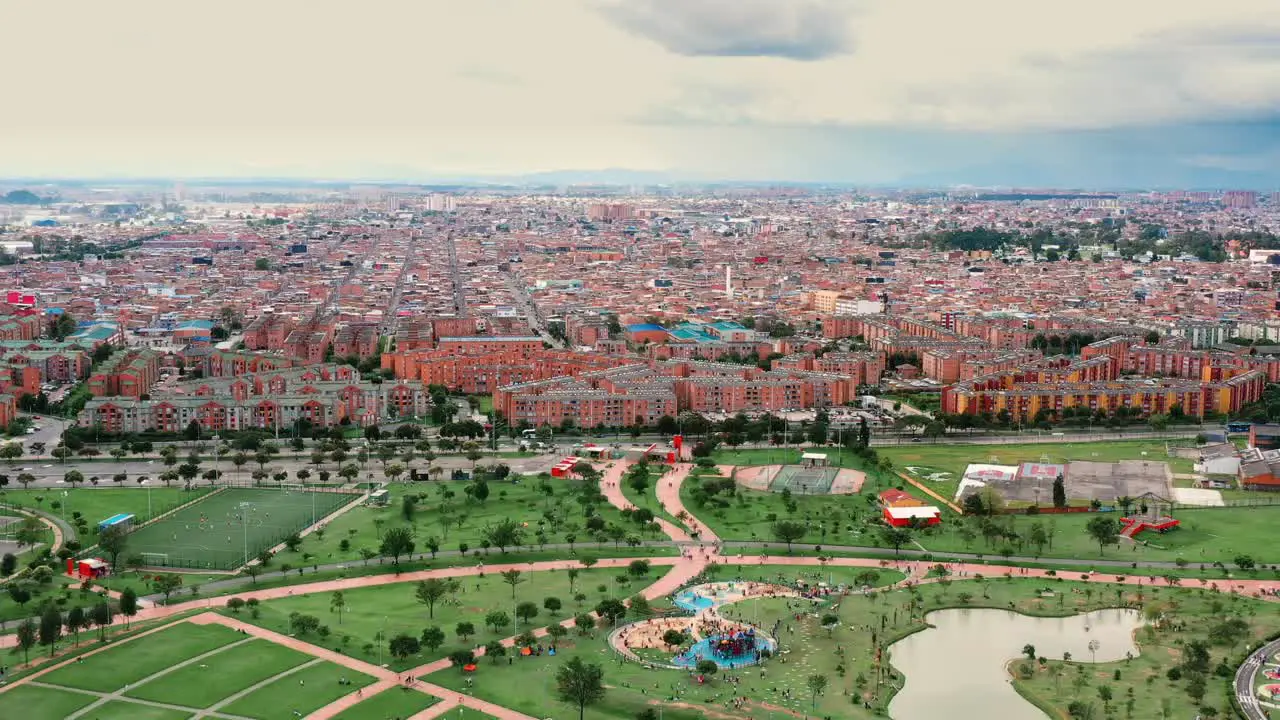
point(113, 541)
point(894, 537)
point(526, 611)
point(166, 584)
point(788, 532)
point(396, 542)
point(262, 264)
point(1030, 651)
point(816, 683)
point(28, 636)
point(1059, 492)
point(77, 618)
point(50, 627)
point(497, 620)
point(611, 610)
point(432, 638)
point(494, 649)
point(512, 578)
point(430, 591)
point(552, 604)
point(461, 658)
point(101, 616)
point(1105, 530)
point(503, 534)
point(1196, 687)
point(464, 630)
point(404, 645)
point(8, 564)
point(338, 603)
point(706, 667)
point(580, 684)
point(128, 604)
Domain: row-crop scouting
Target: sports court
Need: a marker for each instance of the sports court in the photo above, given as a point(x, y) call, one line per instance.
point(799, 479)
point(221, 530)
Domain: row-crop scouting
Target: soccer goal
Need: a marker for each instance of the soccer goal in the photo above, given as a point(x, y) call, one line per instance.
point(155, 559)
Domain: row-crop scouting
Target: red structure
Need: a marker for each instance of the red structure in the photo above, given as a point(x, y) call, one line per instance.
point(564, 468)
point(88, 568)
point(1133, 526)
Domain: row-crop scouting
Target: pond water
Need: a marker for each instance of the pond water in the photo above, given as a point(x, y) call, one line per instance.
point(958, 666)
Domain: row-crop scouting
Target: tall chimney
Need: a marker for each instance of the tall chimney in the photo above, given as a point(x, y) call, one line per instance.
point(728, 281)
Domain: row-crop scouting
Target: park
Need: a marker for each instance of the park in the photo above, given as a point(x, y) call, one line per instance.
point(740, 584)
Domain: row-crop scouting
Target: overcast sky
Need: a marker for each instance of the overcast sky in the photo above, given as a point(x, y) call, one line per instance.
point(1092, 92)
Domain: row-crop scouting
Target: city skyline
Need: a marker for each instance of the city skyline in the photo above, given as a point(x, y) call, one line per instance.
point(988, 93)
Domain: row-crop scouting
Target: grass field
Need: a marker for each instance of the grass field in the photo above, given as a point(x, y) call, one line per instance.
point(218, 676)
point(846, 658)
point(121, 710)
point(953, 459)
point(557, 515)
point(99, 503)
point(304, 691)
point(393, 609)
point(220, 532)
point(388, 704)
point(41, 703)
point(132, 661)
point(647, 499)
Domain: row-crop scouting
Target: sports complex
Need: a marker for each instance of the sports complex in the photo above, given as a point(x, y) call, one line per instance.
point(225, 529)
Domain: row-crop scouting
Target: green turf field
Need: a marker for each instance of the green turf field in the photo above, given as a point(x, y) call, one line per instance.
point(227, 527)
point(394, 703)
point(121, 710)
point(304, 691)
point(132, 661)
point(40, 703)
point(99, 503)
point(213, 679)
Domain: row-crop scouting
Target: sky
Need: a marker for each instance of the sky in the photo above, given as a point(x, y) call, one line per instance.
point(1092, 93)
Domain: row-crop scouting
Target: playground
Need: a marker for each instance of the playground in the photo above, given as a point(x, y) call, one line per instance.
point(799, 479)
point(224, 529)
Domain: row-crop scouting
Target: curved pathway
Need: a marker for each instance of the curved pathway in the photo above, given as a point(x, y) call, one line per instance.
point(1246, 680)
point(669, 495)
point(611, 488)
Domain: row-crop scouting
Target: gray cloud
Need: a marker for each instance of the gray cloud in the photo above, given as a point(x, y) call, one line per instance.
point(792, 29)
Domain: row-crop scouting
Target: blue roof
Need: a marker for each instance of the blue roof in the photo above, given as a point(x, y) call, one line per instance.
point(645, 327)
point(728, 325)
point(115, 520)
point(196, 324)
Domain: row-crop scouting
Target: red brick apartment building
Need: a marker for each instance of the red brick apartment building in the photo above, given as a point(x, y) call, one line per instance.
point(865, 368)
point(644, 392)
point(480, 374)
point(525, 346)
point(223, 363)
point(129, 373)
point(358, 340)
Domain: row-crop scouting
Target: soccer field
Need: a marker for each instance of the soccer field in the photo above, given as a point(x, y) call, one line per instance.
point(225, 528)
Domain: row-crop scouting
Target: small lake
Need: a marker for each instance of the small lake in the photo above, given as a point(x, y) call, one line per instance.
point(957, 667)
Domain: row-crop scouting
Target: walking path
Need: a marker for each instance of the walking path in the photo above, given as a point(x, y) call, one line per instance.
point(104, 698)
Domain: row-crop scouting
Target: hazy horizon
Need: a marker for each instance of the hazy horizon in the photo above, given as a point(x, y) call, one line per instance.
point(864, 92)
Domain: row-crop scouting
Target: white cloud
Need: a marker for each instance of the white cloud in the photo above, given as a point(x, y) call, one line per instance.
point(791, 29)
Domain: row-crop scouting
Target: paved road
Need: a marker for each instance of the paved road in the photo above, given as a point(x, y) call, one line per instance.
point(1247, 679)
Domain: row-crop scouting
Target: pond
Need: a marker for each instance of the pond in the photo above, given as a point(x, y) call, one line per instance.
point(958, 665)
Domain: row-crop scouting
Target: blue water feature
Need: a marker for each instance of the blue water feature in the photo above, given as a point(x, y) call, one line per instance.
point(701, 650)
point(693, 602)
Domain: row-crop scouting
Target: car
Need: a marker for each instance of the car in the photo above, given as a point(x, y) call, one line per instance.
point(46, 466)
point(915, 439)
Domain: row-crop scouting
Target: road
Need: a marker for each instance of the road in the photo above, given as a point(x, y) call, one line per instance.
point(530, 309)
point(1247, 679)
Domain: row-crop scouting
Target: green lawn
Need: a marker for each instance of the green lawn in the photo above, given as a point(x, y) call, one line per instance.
point(557, 516)
point(122, 710)
point(525, 684)
point(99, 503)
point(303, 692)
point(1205, 536)
point(130, 662)
point(837, 457)
point(394, 609)
point(202, 684)
point(39, 703)
point(220, 531)
point(751, 514)
point(953, 459)
point(389, 704)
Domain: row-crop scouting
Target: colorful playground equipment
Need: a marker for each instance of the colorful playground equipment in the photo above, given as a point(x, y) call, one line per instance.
point(1135, 525)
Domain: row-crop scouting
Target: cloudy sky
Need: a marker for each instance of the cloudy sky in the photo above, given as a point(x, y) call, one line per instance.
point(1101, 93)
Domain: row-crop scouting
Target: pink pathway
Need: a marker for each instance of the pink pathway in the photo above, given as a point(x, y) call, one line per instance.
point(669, 496)
point(611, 488)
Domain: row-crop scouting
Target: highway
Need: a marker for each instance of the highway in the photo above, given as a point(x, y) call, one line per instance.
point(1247, 679)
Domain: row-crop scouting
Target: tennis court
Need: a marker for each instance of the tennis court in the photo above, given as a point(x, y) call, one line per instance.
point(223, 529)
point(804, 480)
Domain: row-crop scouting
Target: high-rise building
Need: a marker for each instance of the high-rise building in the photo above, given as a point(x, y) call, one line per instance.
point(1240, 199)
point(439, 202)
